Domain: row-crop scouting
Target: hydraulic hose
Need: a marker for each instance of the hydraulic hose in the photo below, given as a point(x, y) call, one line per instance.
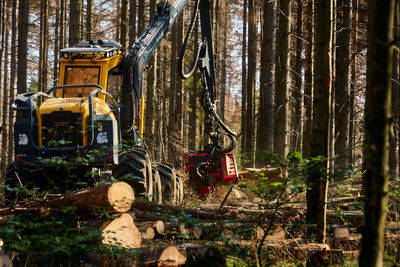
point(184, 47)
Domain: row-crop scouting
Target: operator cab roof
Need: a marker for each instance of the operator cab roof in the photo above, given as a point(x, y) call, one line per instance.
point(91, 49)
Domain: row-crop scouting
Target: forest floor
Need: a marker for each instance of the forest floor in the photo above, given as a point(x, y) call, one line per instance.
point(259, 215)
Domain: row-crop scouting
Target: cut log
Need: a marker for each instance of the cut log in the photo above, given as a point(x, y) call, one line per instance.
point(122, 232)
point(115, 197)
point(157, 228)
point(171, 256)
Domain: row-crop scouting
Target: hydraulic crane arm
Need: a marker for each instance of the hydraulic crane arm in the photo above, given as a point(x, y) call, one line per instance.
point(140, 54)
point(145, 47)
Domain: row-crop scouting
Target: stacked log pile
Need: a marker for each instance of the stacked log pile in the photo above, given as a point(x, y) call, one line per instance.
point(171, 235)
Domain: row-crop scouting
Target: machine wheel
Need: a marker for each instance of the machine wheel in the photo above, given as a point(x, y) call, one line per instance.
point(168, 181)
point(135, 169)
point(157, 187)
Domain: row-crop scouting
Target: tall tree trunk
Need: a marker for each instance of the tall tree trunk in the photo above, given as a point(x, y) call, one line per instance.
point(318, 181)
point(353, 83)
point(251, 78)
point(394, 133)
point(132, 22)
point(175, 126)
point(63, 16)
point(308, 65)
point(89, 7)
point(281, 79)
point(141, 18)
point(224, 63)
point(193, 99)
point(43, 46)
point(377, 124)
point(244, 75)
point(151, 91)
point(342, 85)
point(13, 73)
point(2, 51)
point(124, 22)
point(56, 43)
point(265, 130)
point(117, 22)
point(23, 28)
point(74, 21)
point(6, 96)
point(297, 99)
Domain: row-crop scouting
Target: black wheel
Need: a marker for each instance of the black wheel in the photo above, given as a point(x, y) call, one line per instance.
point(157, 187)
point(135, 168)
point(168, 181)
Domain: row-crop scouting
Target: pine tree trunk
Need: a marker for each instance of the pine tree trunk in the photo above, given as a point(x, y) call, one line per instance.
point(308, 64)
point(353, 83)
point(244, 76)
point(117, 22)
point(281, 79)
point(151, 92)
point(62, 40)
point(2, 51)
point(89, 7)
point(141, 18)
point(342, 85)
point(377, 123)
point(394, 133)
point(132, 22)
point(193, 99)
point(6, 96)
point(74, 21)
point(251, 78)
point(265, 130)
point(56, 43)
point(317, 194)
point(124, 23)
point(23, 28)
point(13, 74)
point(175, 125)
point(296, 103)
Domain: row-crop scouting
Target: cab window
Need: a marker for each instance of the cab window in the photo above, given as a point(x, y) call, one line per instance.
point(80, 75)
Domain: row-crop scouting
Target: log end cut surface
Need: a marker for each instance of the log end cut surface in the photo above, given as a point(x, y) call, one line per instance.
point(121, 196)
point(171, 256)
point(122, 232)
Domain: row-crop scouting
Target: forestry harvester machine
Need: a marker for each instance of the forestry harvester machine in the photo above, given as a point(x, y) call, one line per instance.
point(93, 120)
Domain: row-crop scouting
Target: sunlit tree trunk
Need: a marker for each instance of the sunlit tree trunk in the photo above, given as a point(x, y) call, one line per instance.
point(281, 79)
point(317, 180)
point(265, 130)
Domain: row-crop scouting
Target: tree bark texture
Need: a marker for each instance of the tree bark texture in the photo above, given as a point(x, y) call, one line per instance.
point(151, 92)
point(265, 130)
point(394, 131)
point(13, 73)
point(6, 89)
point(342, 84)
point(74, 21)
point(353, 83)
point(124, 23)
point(281, 79)
point(23, 28)
point(297, 99)
point(318, 181)
point(250, 87)
point(308, 79)
point(132, 22)
point(377, 123)
point(244, 75)
point(193, 99)
point(89, 7)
